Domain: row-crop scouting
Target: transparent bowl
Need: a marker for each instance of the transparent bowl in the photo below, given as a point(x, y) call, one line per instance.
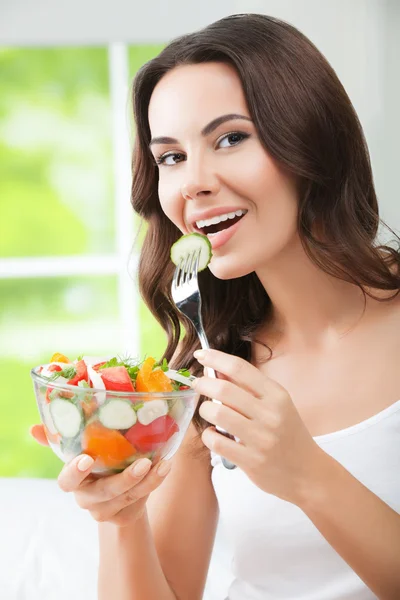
point(115, 428)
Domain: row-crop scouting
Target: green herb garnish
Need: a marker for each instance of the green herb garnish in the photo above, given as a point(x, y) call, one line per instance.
point(68, 372)
point(163, 365)
point(83, 383)
point(128, 363)
point(113, 362)
point(184, 372)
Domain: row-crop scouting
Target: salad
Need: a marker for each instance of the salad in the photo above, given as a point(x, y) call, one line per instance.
point(116, 410)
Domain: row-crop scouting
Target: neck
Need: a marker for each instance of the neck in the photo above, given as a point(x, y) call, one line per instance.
point(309, 307)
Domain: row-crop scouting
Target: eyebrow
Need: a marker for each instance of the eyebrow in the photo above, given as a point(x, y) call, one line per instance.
point(205, 131)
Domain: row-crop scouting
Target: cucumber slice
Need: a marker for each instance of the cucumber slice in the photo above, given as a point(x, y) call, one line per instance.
point(48, 419)
point(192, 242)
point(117, 414)
point(152, 410)
point(67, 417)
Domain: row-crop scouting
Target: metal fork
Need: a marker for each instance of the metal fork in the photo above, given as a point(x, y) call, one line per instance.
point(186, 295)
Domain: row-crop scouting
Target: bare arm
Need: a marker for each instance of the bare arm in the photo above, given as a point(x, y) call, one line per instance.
point(129, 567)
point(358, 525)
point(165, 554)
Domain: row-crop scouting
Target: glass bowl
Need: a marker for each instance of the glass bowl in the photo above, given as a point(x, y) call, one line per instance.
point(115, 428)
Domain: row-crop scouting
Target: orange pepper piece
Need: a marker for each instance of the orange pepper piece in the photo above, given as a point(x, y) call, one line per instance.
point(107, 445)
point(57, 357)
point(148, 380)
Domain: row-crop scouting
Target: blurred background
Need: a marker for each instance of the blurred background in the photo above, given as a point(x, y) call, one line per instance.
point(68, 239)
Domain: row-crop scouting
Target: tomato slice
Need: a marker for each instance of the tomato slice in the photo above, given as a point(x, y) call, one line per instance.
point(146, 438)
point(81, 373)
point(97, 366)
point(117, 378)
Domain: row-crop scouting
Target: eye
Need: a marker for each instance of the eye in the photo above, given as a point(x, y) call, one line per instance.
point(232, 139)
point(174, 156)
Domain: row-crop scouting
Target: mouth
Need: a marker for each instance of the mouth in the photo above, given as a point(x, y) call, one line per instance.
point(221, 232)
point(217, 224)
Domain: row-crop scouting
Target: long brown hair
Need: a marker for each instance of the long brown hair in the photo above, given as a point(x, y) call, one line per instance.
point(307, 123)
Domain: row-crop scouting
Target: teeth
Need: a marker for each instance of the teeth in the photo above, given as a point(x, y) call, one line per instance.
point(215, 220)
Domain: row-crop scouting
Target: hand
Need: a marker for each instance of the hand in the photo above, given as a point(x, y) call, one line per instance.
point(118, 499)
point(276, 450)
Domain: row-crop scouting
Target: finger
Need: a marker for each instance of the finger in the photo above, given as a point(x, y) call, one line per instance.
point(233, 451)
point(37, 432)
point(75, 472)
point(239, 371)
point(136, 492)
point(229, 394)
point(112, 486)
point(226, 418)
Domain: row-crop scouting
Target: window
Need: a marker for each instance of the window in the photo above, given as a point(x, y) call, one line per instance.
point(66, 226)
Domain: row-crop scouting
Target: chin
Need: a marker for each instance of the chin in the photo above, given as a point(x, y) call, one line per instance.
point(229, 269)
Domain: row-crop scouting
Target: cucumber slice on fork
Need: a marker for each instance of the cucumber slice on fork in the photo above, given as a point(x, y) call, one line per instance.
point(188, 244)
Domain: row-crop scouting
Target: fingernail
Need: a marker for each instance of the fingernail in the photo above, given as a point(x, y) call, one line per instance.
point(164, 468)
point(85, 462)
point(199, 354)
point(141, 467)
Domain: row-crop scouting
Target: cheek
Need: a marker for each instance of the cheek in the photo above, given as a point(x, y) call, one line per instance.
point(260, 176)
point(274, 193)
point(254, 175)
point(172, 203)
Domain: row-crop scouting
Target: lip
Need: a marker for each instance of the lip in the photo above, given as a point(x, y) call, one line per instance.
point(209, 214)
point(220, 238)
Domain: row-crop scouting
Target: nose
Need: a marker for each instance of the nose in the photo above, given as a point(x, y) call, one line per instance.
point(199, 181)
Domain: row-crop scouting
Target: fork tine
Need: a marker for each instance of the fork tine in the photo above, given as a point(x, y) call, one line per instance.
point(194, 263)
point(177, 272)
point(186, 271)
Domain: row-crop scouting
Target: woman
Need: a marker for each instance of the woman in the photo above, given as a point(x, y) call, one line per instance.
point(302, 308)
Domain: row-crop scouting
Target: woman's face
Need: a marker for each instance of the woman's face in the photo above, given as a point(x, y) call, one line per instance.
point(211, 164)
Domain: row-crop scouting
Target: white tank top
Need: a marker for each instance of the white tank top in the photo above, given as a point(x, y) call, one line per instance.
point(277, 552)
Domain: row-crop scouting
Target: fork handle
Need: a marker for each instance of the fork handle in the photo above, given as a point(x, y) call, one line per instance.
point(227, 463)
point(211, 373)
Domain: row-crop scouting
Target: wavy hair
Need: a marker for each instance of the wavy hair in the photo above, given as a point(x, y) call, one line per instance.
point(307, 124)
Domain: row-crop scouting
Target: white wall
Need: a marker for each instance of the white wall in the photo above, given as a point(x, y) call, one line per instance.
point(361, 39)
point(102, 21)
